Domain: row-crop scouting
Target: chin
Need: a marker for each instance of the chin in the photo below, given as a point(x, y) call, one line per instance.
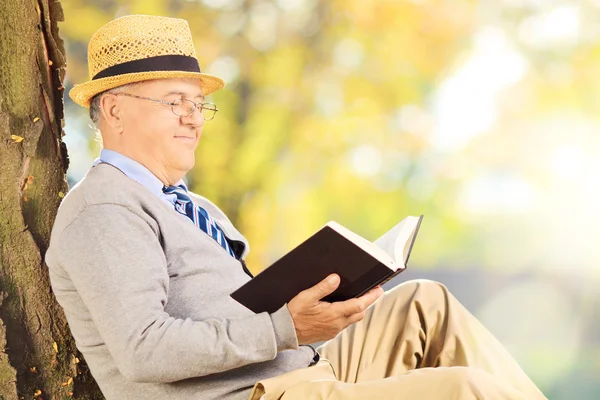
point(187, 165)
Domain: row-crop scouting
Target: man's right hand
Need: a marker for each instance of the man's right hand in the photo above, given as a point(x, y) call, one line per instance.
point(317, 320)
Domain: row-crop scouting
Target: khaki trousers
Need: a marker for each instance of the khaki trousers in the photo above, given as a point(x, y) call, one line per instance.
point(417, 342)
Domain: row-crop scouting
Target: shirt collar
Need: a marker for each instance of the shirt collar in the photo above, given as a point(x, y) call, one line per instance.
point(134, 170)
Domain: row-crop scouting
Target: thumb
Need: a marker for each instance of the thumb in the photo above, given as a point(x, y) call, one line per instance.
point(323, 288)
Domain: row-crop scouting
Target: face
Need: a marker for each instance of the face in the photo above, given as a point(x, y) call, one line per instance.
point(153, 134)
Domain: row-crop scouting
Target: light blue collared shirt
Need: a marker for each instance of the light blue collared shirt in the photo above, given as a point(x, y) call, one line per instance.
point(136, 171)
point(139, 173)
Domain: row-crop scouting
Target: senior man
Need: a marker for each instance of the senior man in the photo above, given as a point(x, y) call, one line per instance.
point(144, 268)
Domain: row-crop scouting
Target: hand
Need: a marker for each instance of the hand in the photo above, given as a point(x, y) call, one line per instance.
point(317, 320)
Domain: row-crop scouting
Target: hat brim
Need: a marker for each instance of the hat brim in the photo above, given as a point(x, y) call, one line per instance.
point(83, 93)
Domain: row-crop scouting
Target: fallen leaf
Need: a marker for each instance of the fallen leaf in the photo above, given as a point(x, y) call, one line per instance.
point(76, 359)
point(55, 347)
point(36, 119)
point(50, 62)
point(61, 195)
point(37, 392)
point(25, 199)
point(33, 370)
point(17, 139)
point(28, 182)
point(60, 88)
point(68, 382)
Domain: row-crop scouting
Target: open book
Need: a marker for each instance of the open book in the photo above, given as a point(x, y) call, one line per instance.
point(361, 265)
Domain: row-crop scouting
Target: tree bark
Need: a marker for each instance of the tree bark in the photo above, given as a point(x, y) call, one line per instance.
point(38, 358)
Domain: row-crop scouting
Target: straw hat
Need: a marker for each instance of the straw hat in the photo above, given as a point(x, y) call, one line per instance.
point(137, 48)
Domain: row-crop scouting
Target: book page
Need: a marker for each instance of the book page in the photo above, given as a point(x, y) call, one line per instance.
point(366, 245)
point(397, 241)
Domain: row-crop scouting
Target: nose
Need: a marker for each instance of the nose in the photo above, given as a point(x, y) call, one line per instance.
point(196, 119)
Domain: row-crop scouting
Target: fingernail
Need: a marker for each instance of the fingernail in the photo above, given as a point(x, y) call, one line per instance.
point(333, 279)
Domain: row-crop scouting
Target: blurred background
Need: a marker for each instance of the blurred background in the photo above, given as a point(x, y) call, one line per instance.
point(481, 115)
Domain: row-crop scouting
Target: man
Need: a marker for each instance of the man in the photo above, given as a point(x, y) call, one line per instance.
point(143, 268)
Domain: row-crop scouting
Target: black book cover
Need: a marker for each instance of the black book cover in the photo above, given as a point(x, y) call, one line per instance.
point(324, 253)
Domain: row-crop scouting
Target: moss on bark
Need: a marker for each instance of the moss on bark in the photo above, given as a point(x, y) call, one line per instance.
point(37, 353)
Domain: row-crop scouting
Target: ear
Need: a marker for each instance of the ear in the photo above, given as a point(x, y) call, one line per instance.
point(110, 108)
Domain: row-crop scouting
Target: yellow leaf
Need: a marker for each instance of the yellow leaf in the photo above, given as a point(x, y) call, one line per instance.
point(50, 62)
point(28, 182)
point(36, 119)
point(61, 195)
point(55, 347)
point(17, 139)
point(76, 359)
point(68, 382)
point(33, 370)
point(37, 392)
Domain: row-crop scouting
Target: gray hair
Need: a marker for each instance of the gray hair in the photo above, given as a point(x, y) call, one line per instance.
point(95, 112)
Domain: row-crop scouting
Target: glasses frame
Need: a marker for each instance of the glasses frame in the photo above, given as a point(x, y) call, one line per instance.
point(197, 106)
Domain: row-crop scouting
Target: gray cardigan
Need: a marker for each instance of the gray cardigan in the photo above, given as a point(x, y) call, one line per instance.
point(146, 295)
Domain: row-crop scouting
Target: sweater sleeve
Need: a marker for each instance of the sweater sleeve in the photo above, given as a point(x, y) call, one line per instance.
point(114, 258)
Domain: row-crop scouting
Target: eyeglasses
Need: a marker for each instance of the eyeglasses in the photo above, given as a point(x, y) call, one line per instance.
point(183, 107)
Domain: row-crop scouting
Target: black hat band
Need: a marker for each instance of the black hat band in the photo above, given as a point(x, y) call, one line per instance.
point(171, 62)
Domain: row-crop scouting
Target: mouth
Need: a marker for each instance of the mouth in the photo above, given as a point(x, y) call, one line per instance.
point(186, 138)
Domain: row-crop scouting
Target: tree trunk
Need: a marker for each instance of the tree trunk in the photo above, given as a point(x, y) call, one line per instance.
point(38, 358)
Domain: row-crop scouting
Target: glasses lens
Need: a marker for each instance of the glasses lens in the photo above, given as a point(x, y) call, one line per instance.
point(183, 108)
point(208, 111)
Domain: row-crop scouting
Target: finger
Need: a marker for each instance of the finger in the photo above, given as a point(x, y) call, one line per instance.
point(359, 304)
point(323, 288)
point(374, 294)
point(354, 318)
point(349, 307)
